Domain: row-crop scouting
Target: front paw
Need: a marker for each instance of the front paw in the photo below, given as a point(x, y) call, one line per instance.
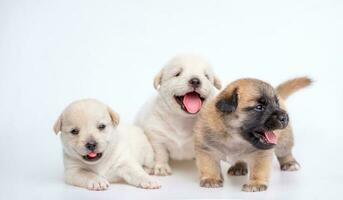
point(290, 166)
point(211, 182)
point(162, 170)
point(239, 169)
point(254, 187)
point(149, 185)
point(98, 184)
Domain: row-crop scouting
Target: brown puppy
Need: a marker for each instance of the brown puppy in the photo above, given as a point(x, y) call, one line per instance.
point(242, 125)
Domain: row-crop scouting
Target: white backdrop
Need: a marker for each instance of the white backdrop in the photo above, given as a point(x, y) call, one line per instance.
point(54, 52)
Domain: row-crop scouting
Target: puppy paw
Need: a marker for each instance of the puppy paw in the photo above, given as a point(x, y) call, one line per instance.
point(162, 170)
point(149, 185)
point(254, 187)
point(211, 182)
point(290, 166)
point(239, 169)
point(98, 184)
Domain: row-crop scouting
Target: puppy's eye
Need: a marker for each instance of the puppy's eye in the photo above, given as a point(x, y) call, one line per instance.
point(259, 108)
point(75, 131)
point(207, 76)
point(101, 127)
point(177, 74)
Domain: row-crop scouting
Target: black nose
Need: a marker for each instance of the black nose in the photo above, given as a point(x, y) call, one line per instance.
point(282, 117)
point(195, 82)
point(91, 146)
point(277, 120)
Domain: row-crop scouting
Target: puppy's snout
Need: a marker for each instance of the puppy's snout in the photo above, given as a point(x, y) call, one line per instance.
point(279, 119)
point(91, 145)
point(283, 118)
point(195, 82)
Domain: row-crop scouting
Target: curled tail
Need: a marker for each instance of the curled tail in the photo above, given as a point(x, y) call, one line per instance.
point(289, 87)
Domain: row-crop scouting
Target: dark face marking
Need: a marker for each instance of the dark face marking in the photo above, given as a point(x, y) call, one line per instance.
point(229, 104)
point(265, 116)
point(261, 119)
point(263, 100)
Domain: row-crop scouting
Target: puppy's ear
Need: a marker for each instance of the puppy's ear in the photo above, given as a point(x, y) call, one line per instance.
point(217, 83)
point(114, 116)
point(58, 125)
point(158, 79)
point(229, 103)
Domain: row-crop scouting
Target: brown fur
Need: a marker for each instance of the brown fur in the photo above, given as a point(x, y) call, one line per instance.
point(289, 87)
point(216, 137)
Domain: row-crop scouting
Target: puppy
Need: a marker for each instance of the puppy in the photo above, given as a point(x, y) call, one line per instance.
point(183, 85)
point(97, 151)
point(241, 126)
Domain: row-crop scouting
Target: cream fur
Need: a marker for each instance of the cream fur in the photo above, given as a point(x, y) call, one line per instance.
point(167, 126)
point(126, 150)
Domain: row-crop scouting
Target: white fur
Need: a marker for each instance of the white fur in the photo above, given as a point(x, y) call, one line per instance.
point(168, 127)
point(126, 150)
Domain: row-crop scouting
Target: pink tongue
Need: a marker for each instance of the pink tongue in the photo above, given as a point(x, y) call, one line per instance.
point(192, 102)
point(92, 154)
point(271, 137)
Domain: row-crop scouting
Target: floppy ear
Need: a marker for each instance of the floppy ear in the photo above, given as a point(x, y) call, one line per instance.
point(114, 116)
point(158, 79)
point(58, 125)
point(228, 104)
point(217, 83)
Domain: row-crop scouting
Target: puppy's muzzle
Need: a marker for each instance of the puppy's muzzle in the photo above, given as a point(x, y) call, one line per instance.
point(91, 146)
point(92, 155)
point(195, 82)
point(278, 120)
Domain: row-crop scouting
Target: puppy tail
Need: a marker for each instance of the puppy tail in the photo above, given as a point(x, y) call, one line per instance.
point(289, 87)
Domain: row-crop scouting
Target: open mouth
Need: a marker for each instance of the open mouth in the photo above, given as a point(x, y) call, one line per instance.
point(264, 139)
point(92, 156)
point(191, 102)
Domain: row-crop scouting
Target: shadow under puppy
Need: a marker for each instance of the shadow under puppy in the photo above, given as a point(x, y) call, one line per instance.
point(98, 151)
point(241, 126)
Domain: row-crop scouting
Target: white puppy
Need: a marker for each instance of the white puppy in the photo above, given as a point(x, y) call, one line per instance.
point(184, 85)
point(97, 151)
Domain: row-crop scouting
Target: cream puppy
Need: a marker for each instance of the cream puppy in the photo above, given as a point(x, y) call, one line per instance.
point(183, 85)
point(98, 151)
